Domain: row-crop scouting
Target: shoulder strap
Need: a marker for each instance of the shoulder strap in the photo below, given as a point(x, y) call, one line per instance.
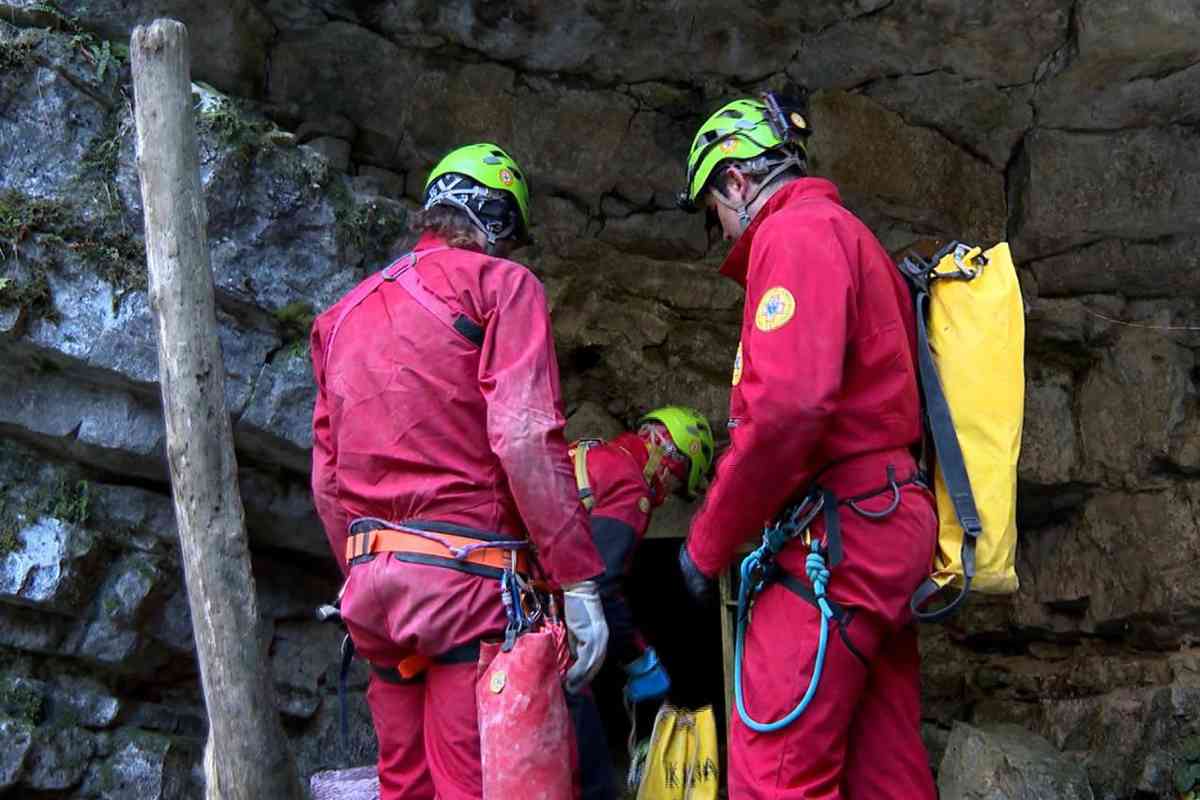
point(579, 456)
point(408, 280)
point(950, 460)
point(401, 270)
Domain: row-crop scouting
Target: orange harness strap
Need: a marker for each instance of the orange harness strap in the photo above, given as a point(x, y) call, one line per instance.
point(384, 540)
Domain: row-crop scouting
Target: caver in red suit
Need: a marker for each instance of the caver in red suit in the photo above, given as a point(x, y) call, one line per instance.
point(824, 391)
point(416, 420)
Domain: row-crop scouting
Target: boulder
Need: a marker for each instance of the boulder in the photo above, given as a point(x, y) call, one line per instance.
point(1010, 763)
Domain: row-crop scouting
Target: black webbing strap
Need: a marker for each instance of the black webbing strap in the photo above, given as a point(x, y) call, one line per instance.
point(950, 460)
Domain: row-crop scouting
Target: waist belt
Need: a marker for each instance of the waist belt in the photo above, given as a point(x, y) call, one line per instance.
point(438, 548)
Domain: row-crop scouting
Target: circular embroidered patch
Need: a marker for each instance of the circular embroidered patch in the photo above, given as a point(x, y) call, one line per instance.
point(644, 505)
point(737, 366)
point(498, 681)
point(506, 177)
point(775, 308)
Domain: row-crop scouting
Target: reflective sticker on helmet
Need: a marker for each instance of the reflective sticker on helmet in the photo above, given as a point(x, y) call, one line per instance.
point(776, 307)
point(729, 145)
point(737, 366)
point(506, 177)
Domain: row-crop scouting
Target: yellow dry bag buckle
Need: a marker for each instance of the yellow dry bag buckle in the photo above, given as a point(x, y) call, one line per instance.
point(968, 263)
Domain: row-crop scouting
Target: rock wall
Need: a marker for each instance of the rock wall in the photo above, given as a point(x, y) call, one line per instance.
point(1068, 127)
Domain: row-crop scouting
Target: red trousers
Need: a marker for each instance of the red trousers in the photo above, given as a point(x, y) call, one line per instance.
point(428, 735)
point(428, 730)
point(860, 736)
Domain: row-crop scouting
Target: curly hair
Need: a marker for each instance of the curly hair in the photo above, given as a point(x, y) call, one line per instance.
point(448, 223)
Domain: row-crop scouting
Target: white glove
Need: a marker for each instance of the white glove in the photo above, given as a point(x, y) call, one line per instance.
point(588, 629)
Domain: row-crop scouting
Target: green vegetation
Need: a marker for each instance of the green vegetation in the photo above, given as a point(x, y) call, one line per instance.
point(20, 700)
point(363, 227)
point(228, 120)
point(65, 499)
point(295, 321)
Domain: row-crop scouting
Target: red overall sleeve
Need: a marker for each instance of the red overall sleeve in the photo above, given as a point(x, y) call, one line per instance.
point(791, 379)
point(324, 461)
point(518, 375)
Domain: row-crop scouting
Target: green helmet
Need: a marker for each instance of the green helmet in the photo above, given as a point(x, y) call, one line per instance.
point(692, 436)
point(741, 130)
point(475, 179)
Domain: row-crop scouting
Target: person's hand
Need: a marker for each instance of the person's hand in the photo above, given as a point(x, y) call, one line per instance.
point(648, 679)
point(699, 585)
point(586, 625)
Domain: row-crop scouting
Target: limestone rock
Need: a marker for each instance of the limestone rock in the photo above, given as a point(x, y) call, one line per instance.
point(1135, 66)
point(85, 699)
point(1133, 269)
point(1131, 402)
point(304, 663)
point(1049, 453)
point(1130, 740)
point(17, 736)
point(59, 757)
point(1007, 763)
point(930, 183)
point(335, 151)
point(976, 114)
point(50, 567)
point(1076, 188)
point(360, 783)
point(590, 421)
point(228, 39)
point(143, 766)
point(52, 110)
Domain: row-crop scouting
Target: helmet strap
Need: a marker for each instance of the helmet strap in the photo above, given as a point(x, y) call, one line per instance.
point(772, 172)
point(449, 193)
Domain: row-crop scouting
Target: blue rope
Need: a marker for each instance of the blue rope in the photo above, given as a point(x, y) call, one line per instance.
point(754, 570)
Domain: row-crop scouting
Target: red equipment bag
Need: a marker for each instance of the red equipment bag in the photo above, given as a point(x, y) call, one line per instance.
point(526, 738)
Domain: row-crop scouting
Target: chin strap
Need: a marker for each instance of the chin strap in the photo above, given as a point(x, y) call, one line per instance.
point(759, 165)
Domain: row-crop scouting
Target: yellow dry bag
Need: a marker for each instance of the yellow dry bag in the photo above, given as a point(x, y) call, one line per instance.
point(971, 355)
point(681, 760)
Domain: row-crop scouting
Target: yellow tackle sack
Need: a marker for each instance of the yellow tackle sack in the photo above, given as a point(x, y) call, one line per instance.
point(971, 359)
point(681, 761)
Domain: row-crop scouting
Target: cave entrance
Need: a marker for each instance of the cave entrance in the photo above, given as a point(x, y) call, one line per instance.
point(689, 642)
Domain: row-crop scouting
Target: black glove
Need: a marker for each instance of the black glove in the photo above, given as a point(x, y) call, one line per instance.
point(699, 585)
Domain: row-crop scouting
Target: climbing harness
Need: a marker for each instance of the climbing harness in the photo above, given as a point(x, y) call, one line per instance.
point(759, 570)
point(403, 273)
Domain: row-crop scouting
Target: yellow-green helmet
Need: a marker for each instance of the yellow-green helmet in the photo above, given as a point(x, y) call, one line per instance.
point(692, 436)
point(741, 130)
point(470, 178)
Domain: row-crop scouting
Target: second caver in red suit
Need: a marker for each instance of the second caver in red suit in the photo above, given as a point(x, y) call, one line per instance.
point(824, 391)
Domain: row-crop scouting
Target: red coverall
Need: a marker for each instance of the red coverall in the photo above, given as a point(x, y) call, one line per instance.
point(414, 422)
point(620, 517)
point(824, 382)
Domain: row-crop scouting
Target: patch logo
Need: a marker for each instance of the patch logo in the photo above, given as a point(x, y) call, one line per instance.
point(729, 145)
point(775, 309)
point(644, 505)
point(506, 177)
point(737, 366)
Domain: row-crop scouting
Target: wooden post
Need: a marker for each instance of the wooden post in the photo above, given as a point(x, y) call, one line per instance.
point(247, 756)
